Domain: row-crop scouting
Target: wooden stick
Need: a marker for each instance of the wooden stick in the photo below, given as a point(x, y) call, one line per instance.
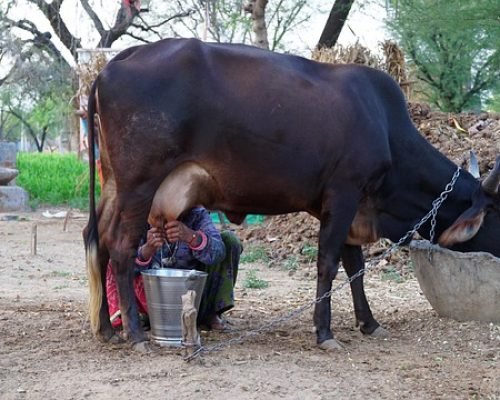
point(33, 239)
point(65, 226)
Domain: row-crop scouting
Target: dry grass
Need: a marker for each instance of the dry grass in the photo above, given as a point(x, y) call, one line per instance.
point(394, 62)
point(87, 72)
point(353, 54)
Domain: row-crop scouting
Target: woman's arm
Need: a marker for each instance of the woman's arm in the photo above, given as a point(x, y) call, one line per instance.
point(201, 235)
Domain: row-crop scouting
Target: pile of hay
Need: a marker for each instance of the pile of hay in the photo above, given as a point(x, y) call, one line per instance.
point(353, 54)
point(88, 71)
point(393, 62)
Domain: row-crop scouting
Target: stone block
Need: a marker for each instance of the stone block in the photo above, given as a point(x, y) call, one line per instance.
point(8, 152)
point(13, 198)
point(7, 175)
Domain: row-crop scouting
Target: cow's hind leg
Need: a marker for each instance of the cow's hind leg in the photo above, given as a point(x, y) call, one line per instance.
point(122, 254)
point(124, 233)
point(353, 262)
point(106, 331)
point(97, 260)
point(123, 269)
point(338, 211)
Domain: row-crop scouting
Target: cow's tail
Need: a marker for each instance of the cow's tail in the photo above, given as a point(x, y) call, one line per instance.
point(92, 233)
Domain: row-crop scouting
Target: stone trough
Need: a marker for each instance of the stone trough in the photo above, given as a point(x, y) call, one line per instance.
point(462, 286)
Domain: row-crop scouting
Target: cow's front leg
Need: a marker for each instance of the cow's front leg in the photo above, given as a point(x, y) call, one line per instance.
point(338, 211)
point(322, 311)
point(352, 257)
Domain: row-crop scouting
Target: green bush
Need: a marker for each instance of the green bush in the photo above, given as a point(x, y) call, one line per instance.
point(254, 254)
point(55, 179)
point(253, 282)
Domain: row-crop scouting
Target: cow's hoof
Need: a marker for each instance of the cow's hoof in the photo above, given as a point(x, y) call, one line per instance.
point(116, 339)
point(380, 333)
point(110, 336)
point(331, 345)
point(142, 347)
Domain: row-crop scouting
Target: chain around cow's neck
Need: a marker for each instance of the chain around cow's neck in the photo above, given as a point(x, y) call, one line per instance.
point(439, 201)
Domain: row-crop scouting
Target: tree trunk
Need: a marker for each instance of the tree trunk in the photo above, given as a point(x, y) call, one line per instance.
point(258, 10)
point(335, 23)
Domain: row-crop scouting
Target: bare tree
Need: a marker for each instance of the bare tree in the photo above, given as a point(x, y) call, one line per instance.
point(335, 23)
point(257, 9)
point(39, 140)
point(235, 21)
point(129, 21)
point(19, 53)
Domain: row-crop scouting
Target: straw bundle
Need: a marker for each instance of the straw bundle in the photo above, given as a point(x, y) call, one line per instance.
point(396, 67)
point(88, 71)
point(353, 54)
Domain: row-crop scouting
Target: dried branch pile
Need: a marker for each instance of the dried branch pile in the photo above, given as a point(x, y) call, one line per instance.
point(394, 62)
point(355, 54)
point(88, 71)
point(395, 66)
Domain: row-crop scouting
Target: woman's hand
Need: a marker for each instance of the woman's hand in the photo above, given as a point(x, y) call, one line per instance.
point(176, 230)
point(154, 240)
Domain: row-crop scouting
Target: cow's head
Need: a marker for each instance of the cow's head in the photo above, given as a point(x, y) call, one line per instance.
point(469, 222)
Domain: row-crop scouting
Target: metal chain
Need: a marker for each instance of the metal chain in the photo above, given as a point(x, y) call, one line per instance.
point(440, 200)
point(436, 204)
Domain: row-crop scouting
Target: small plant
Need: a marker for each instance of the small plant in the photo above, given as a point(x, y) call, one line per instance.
point(392, 274)
point(60, 287)
point(253, 282)
point(310, 252)
point(292, 264)
point(254, 254)
point(61, 274)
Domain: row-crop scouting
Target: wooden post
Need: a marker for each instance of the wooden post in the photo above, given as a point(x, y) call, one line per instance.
point(33, 239)
point(190, 336)
point(66, 219)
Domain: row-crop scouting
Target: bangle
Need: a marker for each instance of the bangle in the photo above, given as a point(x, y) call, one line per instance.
point(193, 238)
point(203, 244)
point(140, 259)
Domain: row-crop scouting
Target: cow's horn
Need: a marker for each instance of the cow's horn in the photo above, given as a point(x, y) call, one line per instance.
point(473, 165)
point(490, 184)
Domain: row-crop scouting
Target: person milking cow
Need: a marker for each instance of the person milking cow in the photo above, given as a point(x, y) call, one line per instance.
point(193, 241)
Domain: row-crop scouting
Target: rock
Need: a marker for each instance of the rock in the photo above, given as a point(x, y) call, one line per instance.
point(13, 198)
point(7, 174)
point(8, 151)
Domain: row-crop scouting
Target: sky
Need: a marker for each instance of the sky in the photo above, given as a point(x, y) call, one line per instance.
point(365, 24)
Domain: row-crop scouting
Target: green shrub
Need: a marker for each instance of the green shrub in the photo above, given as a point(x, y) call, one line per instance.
point(55, 179)
point(291, 263)
point(254, 254)
point(310, 253)
point(253, 282)
point(392, 274)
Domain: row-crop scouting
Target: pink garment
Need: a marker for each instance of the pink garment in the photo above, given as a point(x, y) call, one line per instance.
point(113, 299)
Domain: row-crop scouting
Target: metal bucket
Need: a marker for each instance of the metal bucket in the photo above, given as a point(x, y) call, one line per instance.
point(164, 288)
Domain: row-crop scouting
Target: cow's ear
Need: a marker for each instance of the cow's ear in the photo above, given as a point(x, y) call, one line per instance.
point(464, 228)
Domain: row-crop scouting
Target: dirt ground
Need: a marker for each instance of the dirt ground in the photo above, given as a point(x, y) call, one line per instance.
point(47, 351)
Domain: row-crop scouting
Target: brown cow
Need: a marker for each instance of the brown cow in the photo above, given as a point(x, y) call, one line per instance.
point(244, 130)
